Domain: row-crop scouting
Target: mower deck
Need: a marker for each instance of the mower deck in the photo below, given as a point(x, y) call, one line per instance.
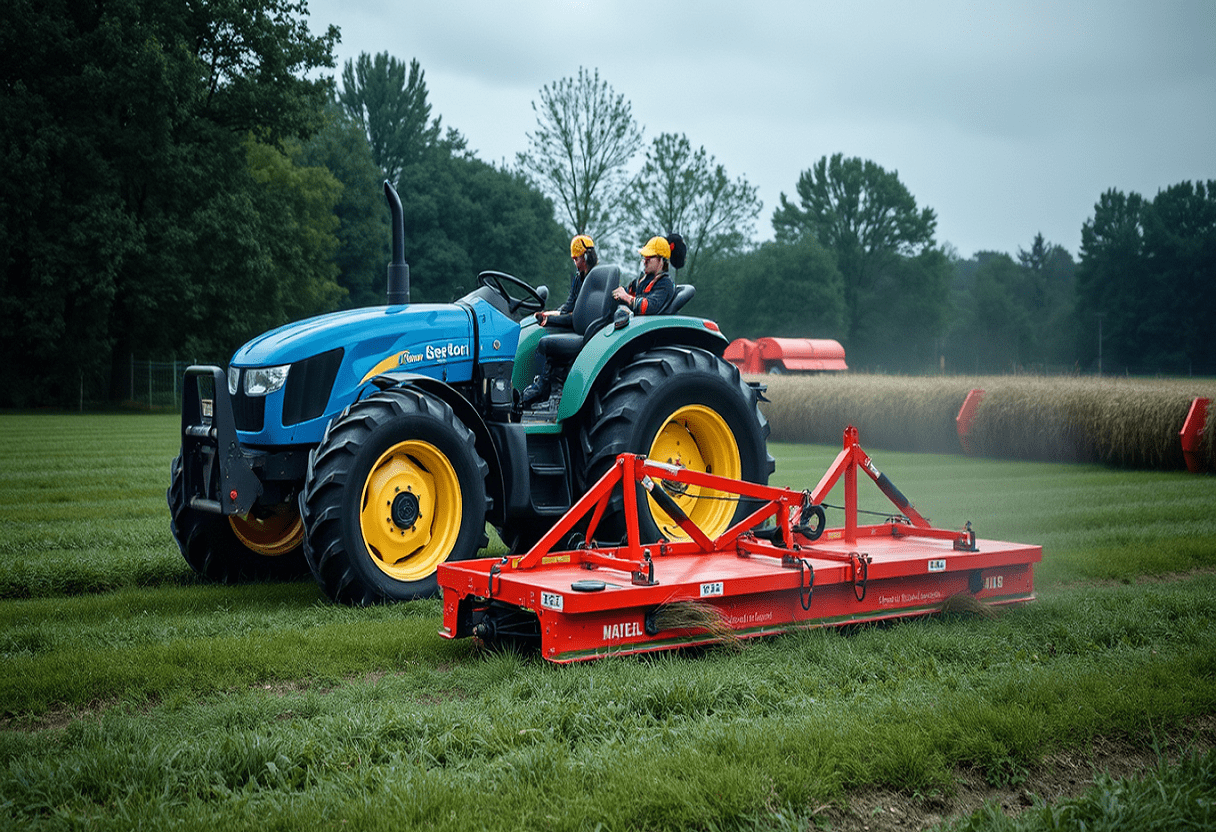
point(596, 601)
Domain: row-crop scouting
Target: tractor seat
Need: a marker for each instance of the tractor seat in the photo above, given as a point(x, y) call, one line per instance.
point(683, 294)
point(592, 310)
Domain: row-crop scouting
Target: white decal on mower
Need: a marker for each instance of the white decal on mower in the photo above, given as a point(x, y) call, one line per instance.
point(711, 589)
point(551, 600)
point(623, 629)
point(937, 565)
point(994, 582)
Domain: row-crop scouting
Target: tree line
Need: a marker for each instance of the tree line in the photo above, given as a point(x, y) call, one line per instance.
point(180, 178)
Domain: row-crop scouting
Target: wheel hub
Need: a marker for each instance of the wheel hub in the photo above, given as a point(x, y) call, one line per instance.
point(411, 511)
point(698, 438)
point(405, 511)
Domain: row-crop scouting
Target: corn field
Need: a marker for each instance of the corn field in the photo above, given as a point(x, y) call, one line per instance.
point(1128, 422)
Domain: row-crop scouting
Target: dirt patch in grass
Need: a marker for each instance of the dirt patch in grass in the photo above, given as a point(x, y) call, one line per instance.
point(1060, 775)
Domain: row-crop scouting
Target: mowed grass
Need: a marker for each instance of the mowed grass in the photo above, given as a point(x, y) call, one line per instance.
point(82, 503)
point(134, 695)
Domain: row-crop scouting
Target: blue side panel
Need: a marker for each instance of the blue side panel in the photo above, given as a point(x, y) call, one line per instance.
point(434, 340)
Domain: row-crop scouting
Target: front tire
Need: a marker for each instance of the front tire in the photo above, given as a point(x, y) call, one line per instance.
point(235, 549)
point(686, 407)
point(394, 489)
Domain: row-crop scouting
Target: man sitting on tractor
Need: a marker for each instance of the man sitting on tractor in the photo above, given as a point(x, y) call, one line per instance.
point(652, 292)
point(582, 252)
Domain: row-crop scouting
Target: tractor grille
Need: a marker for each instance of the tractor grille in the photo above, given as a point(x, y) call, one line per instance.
point(308, 385)
point(248, 412)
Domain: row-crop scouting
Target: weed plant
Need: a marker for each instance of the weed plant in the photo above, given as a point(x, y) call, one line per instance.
point(1168, 798)
point(135, 699)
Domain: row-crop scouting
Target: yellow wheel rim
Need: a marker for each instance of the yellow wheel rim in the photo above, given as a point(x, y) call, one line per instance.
point(411, 510)
point(276, 534)
point(696, 437)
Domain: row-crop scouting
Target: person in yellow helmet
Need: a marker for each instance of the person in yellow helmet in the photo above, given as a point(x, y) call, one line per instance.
point(653, 290)
point(582, 252)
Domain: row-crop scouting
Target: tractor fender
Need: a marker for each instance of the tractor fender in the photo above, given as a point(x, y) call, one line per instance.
point(611, 347)
point(487, 449)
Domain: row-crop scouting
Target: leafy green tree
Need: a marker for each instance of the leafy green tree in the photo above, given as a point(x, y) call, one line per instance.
point(585, 136)
point(363, 228)
point(1011, 315)
point(1149, 270)
point(390, 104)
point(132, 139)
point(682, 190)
point(870, 220)
point(1110, 278)
point(779, 289)
point(993, 334)
point(1180, 249)
point(464, 216)
point(1050, 302)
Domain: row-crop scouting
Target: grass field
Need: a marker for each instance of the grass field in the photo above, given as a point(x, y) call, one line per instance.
point(134, 696)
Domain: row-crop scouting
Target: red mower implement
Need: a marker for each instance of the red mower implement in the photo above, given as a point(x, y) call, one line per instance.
point(757, 578)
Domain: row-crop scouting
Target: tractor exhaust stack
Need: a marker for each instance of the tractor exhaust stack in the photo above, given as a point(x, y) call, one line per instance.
point(398, 269)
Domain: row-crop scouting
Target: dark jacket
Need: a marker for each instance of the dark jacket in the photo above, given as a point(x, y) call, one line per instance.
point(651, 293)
point(564, 319)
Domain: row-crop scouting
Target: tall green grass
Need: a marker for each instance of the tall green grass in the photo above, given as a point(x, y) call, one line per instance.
point(132, 698)
point(718, 738)
point(1164, 799)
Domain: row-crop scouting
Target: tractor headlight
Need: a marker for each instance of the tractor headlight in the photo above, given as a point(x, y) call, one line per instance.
point(234, 380)
point(260, 381)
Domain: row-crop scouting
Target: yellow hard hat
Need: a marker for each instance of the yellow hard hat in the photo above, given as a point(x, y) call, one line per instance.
point(656, 246)
point(580, 244)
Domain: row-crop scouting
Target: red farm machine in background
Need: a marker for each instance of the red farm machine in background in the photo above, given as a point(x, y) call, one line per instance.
point(786, 355)
point(779, 569)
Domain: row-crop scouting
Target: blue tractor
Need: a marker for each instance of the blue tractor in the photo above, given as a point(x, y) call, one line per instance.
point(371, 445)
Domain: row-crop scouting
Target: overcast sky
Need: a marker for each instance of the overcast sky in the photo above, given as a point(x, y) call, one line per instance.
point(1006, 119)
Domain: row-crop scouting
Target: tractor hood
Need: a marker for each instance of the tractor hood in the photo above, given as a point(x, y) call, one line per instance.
point(319, 364)
point(371, 330)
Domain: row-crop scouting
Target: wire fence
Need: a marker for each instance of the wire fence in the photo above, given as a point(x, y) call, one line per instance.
point(159, 383)
point(142, 383)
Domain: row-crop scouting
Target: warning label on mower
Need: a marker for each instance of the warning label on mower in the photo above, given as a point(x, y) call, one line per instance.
point(551, 600)
point(711, 589)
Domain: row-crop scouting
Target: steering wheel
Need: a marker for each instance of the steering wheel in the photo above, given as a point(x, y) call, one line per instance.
point(533, 302)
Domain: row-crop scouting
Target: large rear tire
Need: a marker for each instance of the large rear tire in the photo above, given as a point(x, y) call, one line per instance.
point(687, 407)
point(236, 549)
point(394, 489)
